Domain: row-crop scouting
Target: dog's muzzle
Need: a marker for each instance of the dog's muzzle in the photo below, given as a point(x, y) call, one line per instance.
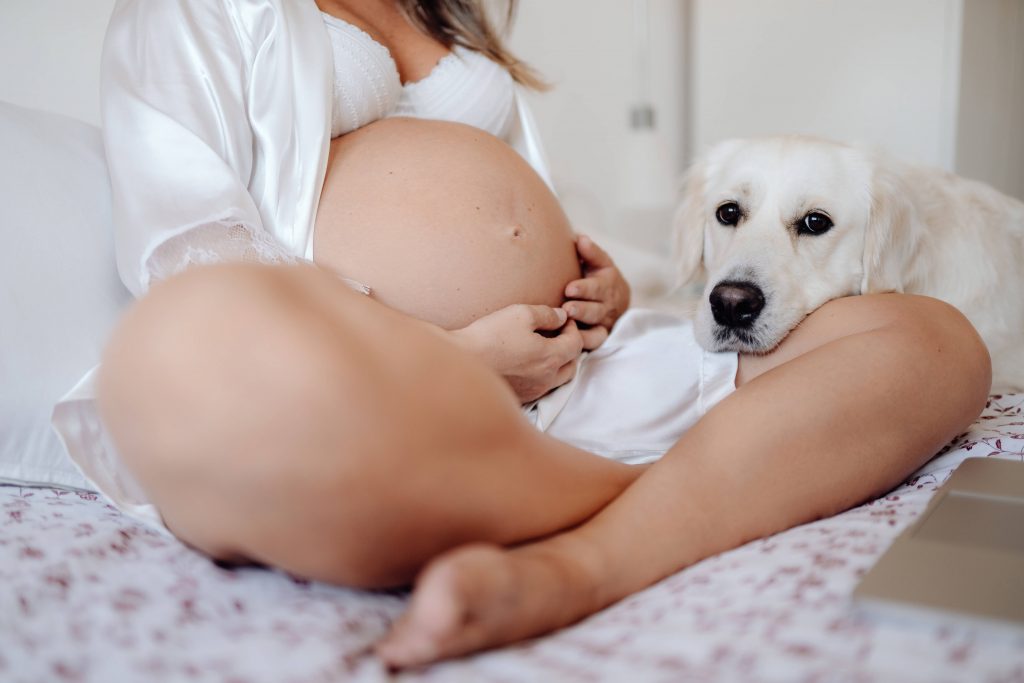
point(736, 305)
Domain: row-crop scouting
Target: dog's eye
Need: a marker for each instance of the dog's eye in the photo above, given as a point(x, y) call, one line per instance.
point(814, 223)
point(729, 213)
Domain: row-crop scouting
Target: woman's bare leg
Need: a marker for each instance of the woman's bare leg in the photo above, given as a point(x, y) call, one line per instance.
point(856, 398)
point(274, 415)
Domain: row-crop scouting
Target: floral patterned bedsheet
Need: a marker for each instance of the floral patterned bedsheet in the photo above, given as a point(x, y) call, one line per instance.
point(89, 595)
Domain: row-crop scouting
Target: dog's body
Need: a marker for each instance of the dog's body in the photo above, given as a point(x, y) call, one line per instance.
point(783, 225)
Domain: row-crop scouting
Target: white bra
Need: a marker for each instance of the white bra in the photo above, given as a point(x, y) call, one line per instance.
point(464, 86)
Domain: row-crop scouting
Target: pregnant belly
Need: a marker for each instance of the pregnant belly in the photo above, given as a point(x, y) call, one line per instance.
point(443, 221)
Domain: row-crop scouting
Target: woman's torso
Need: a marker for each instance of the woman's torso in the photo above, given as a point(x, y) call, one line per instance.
point(442, 221)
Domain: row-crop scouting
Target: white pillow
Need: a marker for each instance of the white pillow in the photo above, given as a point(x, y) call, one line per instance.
point(59, 289)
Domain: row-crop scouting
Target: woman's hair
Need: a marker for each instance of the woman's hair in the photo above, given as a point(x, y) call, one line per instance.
point(465, 23)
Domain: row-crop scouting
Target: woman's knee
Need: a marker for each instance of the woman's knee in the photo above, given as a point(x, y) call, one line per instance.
point(202, 352)
point(907, 313)
point(271, 414)
point(930, 337)
point(928, 331)
point(204, 384)
point(942, 344)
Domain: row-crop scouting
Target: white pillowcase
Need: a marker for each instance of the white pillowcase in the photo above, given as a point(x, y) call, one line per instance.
point(59, 290)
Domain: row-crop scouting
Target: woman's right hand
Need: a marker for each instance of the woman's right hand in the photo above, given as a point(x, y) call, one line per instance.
point(508, 340)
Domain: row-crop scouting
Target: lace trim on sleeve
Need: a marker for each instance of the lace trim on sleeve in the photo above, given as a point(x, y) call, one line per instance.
point(223, 243)
point(215, 243)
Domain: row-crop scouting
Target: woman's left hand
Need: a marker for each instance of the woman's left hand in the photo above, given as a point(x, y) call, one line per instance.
point(600, 297)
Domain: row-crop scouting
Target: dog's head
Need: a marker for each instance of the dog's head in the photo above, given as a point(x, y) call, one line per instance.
point(780, 226)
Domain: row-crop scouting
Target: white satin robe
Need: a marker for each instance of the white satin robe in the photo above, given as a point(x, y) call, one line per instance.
point(216, 119)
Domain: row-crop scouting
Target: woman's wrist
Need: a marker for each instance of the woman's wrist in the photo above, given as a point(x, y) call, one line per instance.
point(464, 339)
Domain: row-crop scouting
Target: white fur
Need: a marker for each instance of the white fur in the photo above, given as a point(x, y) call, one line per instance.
point(897, 228)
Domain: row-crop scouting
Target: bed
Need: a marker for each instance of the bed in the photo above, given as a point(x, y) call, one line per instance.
point(90, 595)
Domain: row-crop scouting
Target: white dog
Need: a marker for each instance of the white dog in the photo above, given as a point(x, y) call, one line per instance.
point(782, 225)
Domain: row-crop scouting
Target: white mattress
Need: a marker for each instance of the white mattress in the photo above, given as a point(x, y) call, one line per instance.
point(89, 595)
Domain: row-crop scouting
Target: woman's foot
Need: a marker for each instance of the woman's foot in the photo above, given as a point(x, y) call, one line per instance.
point(482, 596)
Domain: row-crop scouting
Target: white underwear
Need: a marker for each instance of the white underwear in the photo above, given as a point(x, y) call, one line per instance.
point(631, 400)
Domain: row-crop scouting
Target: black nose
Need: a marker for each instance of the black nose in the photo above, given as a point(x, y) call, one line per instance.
point(736, 304)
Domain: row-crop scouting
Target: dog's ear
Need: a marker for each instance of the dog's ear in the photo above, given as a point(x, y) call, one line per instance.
point(892, 232)
point(688, 226)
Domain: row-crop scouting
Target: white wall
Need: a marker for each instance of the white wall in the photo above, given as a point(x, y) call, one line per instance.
point(990, 131)
point(51, 54)
point(939, 82)
point(585, 49)
point(876, 71)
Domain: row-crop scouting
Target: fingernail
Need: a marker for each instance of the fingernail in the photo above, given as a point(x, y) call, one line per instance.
point(572, 291)
point(563, 314)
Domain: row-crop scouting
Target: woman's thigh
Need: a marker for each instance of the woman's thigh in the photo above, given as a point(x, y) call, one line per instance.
point(273, 414)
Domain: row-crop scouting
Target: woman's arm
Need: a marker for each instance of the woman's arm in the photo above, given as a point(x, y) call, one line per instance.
point(179, 103)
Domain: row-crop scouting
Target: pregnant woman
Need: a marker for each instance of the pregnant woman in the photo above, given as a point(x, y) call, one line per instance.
point(359, 420)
